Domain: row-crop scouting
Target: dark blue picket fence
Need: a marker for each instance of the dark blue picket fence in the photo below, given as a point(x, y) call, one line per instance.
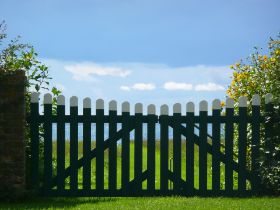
point(188, 127)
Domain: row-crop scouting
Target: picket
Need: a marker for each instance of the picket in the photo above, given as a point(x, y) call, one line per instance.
point(242, 143)
point(34, 133)
point(151, 148)
point(164, 148)
point(190, 146)
point(113, 146)
point(216, 144)
point(47, 142)
point(87, 144)
point(73, 144)
point(125, 163)
point(99, 145)
point(60, 143)
point(182, 124)
point(203, 107)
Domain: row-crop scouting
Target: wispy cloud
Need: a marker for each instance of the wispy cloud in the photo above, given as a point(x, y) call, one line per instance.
point(84, 71)
point(209, 87)
point(125, 88)
point(139, 86)
point(143, 86)
point(60, 87)
point(177, 86)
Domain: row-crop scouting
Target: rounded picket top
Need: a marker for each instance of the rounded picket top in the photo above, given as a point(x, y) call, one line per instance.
point(151, 109)
point(100, 104)
point(256, 100)
point(177, 108)
point(125, 106)
point(60, 100)
point(190, 107)
point(230, 103)
point(242, 102)
point(35, 97)
point(203, 106)
point(87, 103)
point(113, 105)
point(216, 104)
point(164, 109)
point(74, 101)
point(138, 108)
point(47, 98)
point(268, 98)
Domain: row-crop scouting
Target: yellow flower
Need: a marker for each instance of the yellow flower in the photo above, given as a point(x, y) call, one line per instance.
point(277, 52)
point(273, 60)
point(222, 104)
point(265, 57)
point(237, 65)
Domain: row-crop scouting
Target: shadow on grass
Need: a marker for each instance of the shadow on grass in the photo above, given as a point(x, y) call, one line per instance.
point(53, 203)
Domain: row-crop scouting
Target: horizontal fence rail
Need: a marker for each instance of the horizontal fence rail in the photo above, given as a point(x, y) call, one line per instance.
point(208, 162)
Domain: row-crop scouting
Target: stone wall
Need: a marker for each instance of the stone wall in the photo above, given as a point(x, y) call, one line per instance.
point(12, 125)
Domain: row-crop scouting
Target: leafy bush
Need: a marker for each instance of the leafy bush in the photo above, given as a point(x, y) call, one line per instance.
point(260, 74)
point(16, 56)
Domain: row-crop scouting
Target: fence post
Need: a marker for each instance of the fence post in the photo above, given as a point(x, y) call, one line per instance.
point(12, 131)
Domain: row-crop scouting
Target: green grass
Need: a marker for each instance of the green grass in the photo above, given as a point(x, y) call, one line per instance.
point(144, 203)
point(157, 154)
point(147, 203)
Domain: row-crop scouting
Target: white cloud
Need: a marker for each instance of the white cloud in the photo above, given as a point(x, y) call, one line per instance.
point(177, 86)
point(125, 88)
point(208, 87)
point(60, 87)
point(139, 86)
point(84, 71)
point(143, 86)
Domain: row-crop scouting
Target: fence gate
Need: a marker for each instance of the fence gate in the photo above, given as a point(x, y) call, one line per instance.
point(197, 159)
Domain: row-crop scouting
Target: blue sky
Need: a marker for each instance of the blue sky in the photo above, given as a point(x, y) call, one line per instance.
point(152, 51)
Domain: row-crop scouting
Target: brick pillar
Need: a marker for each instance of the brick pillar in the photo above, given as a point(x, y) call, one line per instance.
point(12, 125)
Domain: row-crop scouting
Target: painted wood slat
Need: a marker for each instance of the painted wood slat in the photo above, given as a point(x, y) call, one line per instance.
point(73, 144)
point(99, 145)
point(229, 146)
point(203, 147)
point(255, 142)
point(34, 133)
point(138, 147)
point(151, 149)
point(87, 144)
point(190, 146)
point(125, 152)
point(177, 157)
point(268, 126)
point(61, 145)
point(216, 144)
point(112, 146)
point(47, 143)
point(164, 120)
point(242, 144)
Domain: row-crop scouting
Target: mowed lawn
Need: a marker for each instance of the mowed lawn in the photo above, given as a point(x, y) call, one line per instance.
point(144, 163)
point(147, 203)
point(143, 203)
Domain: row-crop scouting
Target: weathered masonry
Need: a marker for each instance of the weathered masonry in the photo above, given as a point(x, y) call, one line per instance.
point(206, 166)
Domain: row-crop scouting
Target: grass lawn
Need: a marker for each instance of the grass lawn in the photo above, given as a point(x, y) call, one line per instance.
point(146, 203)
point(144, 162)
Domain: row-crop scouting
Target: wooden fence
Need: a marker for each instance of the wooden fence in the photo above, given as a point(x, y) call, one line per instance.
point(203, 162)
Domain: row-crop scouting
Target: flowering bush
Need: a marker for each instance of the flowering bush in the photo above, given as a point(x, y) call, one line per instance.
point(260, 74)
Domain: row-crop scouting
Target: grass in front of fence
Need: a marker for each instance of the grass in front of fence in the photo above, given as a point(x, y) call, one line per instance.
point(147, 203)
point(144, 185)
